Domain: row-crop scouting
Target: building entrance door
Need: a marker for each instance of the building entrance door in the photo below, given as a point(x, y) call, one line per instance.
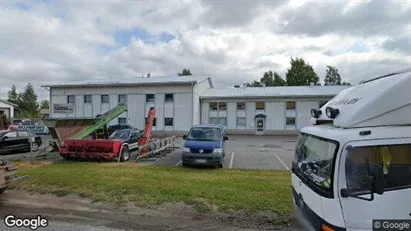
point(259, 126)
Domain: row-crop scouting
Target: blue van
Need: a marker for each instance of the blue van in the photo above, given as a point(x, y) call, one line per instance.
point(204, 145)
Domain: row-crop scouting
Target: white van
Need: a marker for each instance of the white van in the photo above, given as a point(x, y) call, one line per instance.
point(353, 166)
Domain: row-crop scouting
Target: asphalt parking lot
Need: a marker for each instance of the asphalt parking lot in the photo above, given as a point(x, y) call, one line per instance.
point(249, 152)
point(242, 152)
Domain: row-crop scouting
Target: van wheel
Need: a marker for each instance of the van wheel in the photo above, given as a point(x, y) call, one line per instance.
point(220, 166)
point(125, 154)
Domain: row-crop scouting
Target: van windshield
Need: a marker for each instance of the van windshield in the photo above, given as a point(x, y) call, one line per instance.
point(204, 134)
point(314, 160)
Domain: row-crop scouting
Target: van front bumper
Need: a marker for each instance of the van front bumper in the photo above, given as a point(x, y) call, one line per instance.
point(202, 159)
point(301, 219)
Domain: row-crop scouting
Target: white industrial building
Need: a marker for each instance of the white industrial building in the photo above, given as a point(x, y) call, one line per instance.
point(183, 101)
point(8, 108)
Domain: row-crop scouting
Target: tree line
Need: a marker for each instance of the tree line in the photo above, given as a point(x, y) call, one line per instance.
point(299, 74)
point(26, 101)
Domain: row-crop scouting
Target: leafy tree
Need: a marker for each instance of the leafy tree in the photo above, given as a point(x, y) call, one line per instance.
point(237, 86)
point(301, 73)
point(29, 104)
point(14, 96)
point(272, 79)
point(254, 84)
point(332, 77)
point(44, 104)
point(185, 72)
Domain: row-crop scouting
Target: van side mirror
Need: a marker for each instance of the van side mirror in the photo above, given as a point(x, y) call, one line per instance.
point(375, 180)
point(184, 137)
point(225, 138)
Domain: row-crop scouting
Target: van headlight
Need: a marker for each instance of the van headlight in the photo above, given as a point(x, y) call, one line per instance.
point(218, 150)
point(186, 149)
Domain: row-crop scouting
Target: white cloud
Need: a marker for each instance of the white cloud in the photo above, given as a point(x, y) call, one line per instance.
point(234, 42)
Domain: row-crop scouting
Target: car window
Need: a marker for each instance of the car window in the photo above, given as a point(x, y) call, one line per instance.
point(394, 160)
point(24, 134)
point(11, 134)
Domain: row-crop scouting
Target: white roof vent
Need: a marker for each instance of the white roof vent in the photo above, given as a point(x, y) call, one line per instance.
point(312, 84)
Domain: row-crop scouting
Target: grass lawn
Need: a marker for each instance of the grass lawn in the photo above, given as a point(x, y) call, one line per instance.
point(229, 189)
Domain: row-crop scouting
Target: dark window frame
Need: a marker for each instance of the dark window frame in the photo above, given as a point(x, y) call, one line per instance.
point(216, 106)
point(222, 108)
point(125, 98)
point(153, 98)
point(88, 97)
point(286, 121)
point(290, 102)
point(69, 97)
point(256, 105)
point(167, 120)
point(170, 97)
point(102, 97)
point(239, 106)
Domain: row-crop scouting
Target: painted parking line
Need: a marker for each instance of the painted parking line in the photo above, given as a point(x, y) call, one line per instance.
point(232, 160)
point(282, 162)
point(178, 163)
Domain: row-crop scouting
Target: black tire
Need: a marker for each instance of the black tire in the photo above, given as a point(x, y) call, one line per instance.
point(220, 165)
point(184, 164)
point(125, 154)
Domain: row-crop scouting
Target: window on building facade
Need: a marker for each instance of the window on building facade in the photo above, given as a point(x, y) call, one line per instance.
point(260, 106)
point(241, 122)
point(222, 121)
point(87, 99)
point(240, 106)
point(290, 121)
point(105, 98)
point(168, 121)
point(213, 106)
point(154, 121)
point(222, 106)
point(290, 105)
point(213, 120)
point(122, 98)
point(150, 98)
point(169, 98)
point(71, 99)
point(122, 121)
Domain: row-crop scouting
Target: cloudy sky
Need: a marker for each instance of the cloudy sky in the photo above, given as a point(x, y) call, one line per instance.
point(234, 41)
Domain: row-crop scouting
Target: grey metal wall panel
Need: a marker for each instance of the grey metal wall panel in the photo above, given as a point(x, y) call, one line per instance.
point(79, 112)
point(159, 106)
point(231, 115)
point(183, 111)
point(96, 101)
point(303, 111)
point(250, 112)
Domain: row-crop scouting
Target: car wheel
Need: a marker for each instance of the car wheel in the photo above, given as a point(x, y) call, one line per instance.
point(220, 166)
point(184, 164)
point(34, 147)
point(125, 154)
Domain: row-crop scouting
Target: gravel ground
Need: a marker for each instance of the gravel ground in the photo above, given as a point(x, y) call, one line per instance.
point(75, 213)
